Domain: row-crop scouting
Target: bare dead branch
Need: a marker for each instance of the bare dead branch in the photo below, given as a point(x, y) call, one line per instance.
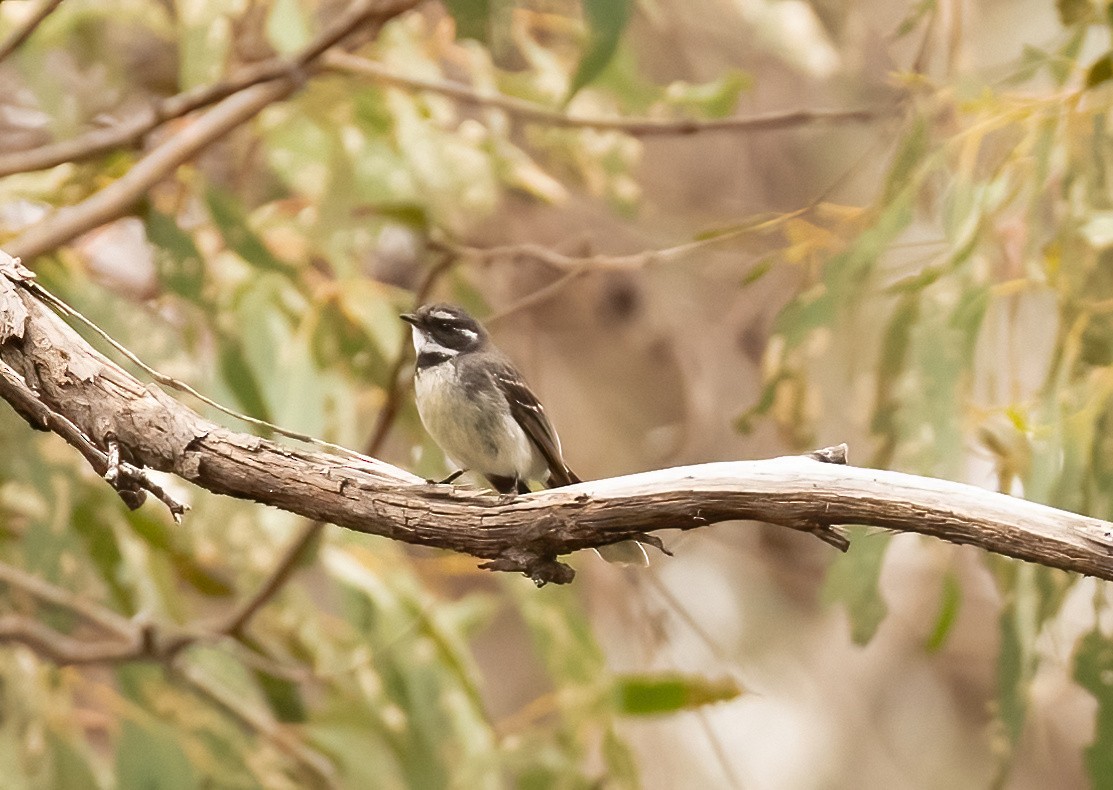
point(21, 34)
point(120, 196)
point(638, 127)
point(130, 483)
point(524, 533)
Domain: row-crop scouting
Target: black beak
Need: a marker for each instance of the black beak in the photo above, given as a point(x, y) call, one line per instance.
point(409, 318)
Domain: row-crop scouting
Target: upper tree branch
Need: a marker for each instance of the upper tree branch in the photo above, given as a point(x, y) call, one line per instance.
point(637, 127)
point(526, 533)
point(132, 128)
point(119, 196)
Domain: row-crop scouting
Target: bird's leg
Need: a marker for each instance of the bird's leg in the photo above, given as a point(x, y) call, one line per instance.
point(451, 478)
point(509, 487)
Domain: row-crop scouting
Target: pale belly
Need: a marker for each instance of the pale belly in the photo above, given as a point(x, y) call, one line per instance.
point(477, 435)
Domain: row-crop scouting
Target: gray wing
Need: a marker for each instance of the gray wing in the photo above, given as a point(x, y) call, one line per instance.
point(528, 413)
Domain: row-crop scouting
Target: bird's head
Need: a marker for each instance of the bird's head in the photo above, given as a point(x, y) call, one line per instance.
point(445, 328)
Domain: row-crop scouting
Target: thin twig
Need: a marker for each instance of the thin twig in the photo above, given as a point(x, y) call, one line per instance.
point(630, 262)
point(21, 34)
point(44, 591)
point(717, 749)
point(116, 199)
point(638, 127)
point(62, 649)
point(236, 622)
point(542, 294)
point(682, 612)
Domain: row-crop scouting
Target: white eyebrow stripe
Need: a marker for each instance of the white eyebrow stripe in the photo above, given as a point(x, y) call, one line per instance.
point(442, 315)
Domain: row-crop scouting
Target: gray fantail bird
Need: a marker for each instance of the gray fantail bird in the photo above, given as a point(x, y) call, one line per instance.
point(480, 411)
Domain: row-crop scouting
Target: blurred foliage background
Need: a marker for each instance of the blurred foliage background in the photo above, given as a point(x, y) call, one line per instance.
point(929, 280)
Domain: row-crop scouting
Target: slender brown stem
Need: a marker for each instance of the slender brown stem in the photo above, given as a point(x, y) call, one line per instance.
point(638, 127)
point(541, 295)
point(242, 615)
point(397, 388)
point(21, 34)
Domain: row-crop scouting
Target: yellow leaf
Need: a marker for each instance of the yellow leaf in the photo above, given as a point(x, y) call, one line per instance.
point(808, 241)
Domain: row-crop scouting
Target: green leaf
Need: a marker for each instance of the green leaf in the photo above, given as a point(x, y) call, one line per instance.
point(1016, 661)
point(1100, 71)
point(622, 764)
point(207, 581)
point(180, 263)
point(472, 18)
point(283, 697)
point(914, 17)
point(649, 695)
point(909, 157)
point(69, 766)
point(892, 363)
point(241, 381)
point(232, 221)
point(561, 634)
point(1062, 66)
point(852, 581)
point(202, 50)
point(1073, 12)
point(715, 99)
point(949, 605)
point(1093, 669)
point(759, 269)
point(605, 20)
point(745, 423)
point(100, 543)
point(151, 759)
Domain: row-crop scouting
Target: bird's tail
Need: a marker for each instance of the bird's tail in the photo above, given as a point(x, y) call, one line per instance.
point(627, 552)
point(561, 476)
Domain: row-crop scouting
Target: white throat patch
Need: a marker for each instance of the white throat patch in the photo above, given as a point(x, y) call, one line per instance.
point(422, 342)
